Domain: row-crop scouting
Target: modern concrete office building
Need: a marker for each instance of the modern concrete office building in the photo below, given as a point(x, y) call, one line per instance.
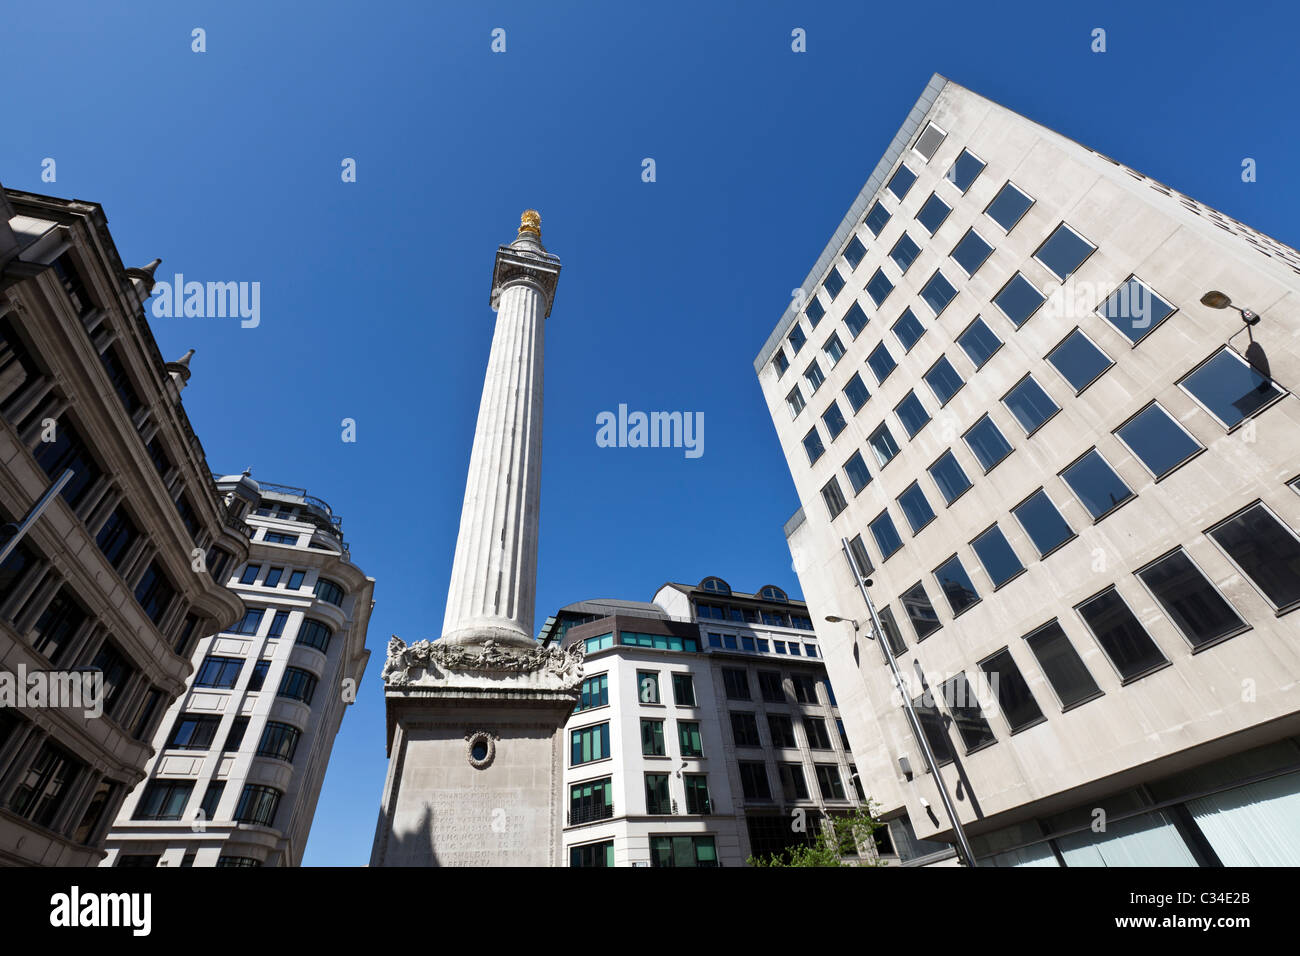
point(106, 578)
point(241, 756)
point(706, 732)
point(1070, 474)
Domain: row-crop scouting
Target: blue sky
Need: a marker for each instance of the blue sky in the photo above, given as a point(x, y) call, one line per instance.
point(374, 294)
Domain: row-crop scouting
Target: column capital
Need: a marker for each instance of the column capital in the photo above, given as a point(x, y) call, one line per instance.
point(525, 261)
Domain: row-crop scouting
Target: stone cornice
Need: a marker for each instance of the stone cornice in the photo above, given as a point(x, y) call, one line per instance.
point(514, 265)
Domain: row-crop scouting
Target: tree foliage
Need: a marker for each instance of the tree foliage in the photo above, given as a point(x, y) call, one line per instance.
point(843, 841)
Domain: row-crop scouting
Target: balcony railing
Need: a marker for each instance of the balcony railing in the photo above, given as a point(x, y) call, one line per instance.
point(590, 812)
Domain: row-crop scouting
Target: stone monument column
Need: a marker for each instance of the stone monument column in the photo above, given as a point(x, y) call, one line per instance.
point(475, 719)
point(494, 575)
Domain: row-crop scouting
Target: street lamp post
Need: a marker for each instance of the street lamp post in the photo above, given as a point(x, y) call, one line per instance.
point(964, 852)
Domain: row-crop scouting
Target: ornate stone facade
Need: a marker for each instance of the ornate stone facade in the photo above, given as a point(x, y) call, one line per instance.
point(432, 663)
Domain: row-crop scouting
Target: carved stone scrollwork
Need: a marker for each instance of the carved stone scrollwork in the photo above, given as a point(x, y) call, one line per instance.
point(410, 664)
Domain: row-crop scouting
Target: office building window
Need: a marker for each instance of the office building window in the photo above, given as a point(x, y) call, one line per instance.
point(697, 794)
point(273, 576)
point(297, 684)
point(833, 497)
point(879, 287)
point(829, 782)
point(278, 622)
point(647, 687)
point(257, 804)
point(1013, 694)
point(933, 213)
point(971, 251)
point(1008, 207)
point(258, 677)
point(218, 672)
point(818, 738)
point(861, 562)
point(834, 349)
point(979, 342)
point(937, 293)
point(1229, 389)
point(683, 851)
point(753, 781)
point(856, 392)
point(193, 732)
point(883, 445)
point(812, 445)
point(833, 419)
point(920, 611)
point(594, 693)
point(815, 311)
point(589, 743)
point(164, 800)
point(908, 330)
point(881, 362)
point(915, 508)
point(770, 687)
point(1121, 635)
point(911, 414)
point(1064, 251)
point(854, 252)
point(45, 786)
point(105, 793)
point(943, 380)
point(1265, 550)
point(592, 854)
point(780, 362)
point(250, 622)
point(949, 477)
point(744, 730)
point(781, 727)
point(904, 252)
point(964, 170)
point(1159, 442)
point(1135, 309)
point(68, 452)
point(1079, 361)
point(235, 739)
point(1042, 522)
point(1190, 600)
point(312, 634)
point(281, 537)
point(657, 801)
point(1062, 666)
point(652, 738)
point(1096, 485)
point(598, 643)
point(855, 319)
point(932, 725)
point(834, 282)
point(859, 477)
point(805, 688)
point(1032, 406)
point(928, 143)
point(967, 713)
point(683, 690)
point(997, 556)
point(279, 740)
point(877, 218)
point(794, 401)
point(329, 591)
point(901, 181)
point(892, 633)
point(736, 683)
point(61, 619)
point(116, 537)
point(797, 339)
point(886, 535)
point(956, 585)
point(1019, 300)
point(250, 574)
point(688, 735)
point(242, 862)
point(793, 785)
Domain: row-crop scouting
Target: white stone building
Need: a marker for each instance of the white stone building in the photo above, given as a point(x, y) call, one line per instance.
point(103, 582)
point(706, 731)
point(1070, 473)
point(241, 756)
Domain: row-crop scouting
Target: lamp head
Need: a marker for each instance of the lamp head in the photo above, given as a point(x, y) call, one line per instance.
point(1215, 300)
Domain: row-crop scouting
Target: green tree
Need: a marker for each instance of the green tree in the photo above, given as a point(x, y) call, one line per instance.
point(841, 837)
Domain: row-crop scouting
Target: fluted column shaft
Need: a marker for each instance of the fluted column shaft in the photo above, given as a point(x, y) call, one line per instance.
point(494, 575)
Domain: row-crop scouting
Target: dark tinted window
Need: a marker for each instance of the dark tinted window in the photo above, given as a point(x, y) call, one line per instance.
point(1229, 388)
point(915, 507)
point(1013, 694)
point(912, 414)
point(986, 442)
point(938, 292)
point(1121, 635)
point(1018, 300)
point(956, 585)
point(856, 392)
point(1266, 551)
point(997, 556)
point(967, 713)
point(904, 252)
point(978, 342)
point(1096, 485)
point(1008, 206)
point(1191, 602)
point(1064, 251)
point(1134, 309)
point(901, 181)
point(944, 380)
point(1157, 440)
point(920, 611)
point(949, 477)
point(971, 251)
point(908, 329)
point(886, 535)
point(1061, 665)
point(964, 170)
point(1042, 522)
point(1079, 361)
point(933, 213)
point(1030, 404)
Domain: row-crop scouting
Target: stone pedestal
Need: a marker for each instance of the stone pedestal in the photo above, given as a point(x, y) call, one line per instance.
point(475, 754)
